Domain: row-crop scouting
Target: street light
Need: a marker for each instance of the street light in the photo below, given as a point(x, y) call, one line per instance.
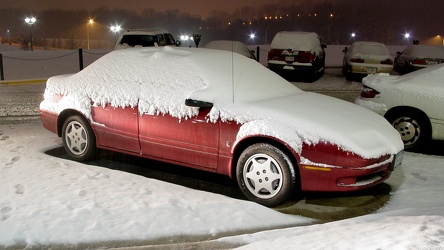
point(87, 29)
point(353, 35)
point(115, 29)
point(30, 21)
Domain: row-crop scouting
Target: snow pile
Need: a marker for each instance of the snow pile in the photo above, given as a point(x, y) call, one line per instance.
point(50, 200)
point(159, 80)
point(295, 40)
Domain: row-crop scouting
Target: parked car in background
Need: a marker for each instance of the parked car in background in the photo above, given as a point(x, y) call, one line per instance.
point(298, 52)
point(364, 58)
point(416, 57)
point(144, 38)
point(229, 45)
point(412, 103)
point(183, 106)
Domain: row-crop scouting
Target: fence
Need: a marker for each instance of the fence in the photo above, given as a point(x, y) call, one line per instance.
point(18, 59)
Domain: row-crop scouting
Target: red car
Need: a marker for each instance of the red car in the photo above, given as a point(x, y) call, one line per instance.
point(230, 116)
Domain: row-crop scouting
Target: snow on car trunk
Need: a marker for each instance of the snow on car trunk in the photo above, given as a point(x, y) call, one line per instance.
point(159, 80)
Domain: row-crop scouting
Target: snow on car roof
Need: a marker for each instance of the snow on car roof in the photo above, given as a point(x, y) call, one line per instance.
point(426, 51)
point(296, 40)
point(158, 80)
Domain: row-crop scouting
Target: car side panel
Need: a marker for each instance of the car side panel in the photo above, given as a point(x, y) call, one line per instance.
point(193, 141)
point(116, 128)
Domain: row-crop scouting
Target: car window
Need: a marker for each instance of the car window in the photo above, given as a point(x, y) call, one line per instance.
point(142, 40)
point(161, 40)
point(169, 39)
point(371, 49)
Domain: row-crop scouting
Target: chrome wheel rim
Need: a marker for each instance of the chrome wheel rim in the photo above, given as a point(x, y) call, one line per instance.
point(409, 130)
point(263, 176)
point(76, 138)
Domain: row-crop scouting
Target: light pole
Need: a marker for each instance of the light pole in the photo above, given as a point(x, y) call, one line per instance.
point(30, 21)
point(87, 30)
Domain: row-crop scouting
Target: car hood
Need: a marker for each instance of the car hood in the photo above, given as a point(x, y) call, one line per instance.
point(311, 118)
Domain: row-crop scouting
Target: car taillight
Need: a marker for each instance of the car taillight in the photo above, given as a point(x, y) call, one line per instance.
point(419, 61)
point(368, 92)
point(387, 61)
point(357, 60)
point(305, 57)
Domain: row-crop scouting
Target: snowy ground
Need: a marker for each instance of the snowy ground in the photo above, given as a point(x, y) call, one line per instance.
point(47, 200)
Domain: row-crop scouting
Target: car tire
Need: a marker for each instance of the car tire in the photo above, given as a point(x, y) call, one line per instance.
point(414, 128)
point(78, 139)
point(266, 175)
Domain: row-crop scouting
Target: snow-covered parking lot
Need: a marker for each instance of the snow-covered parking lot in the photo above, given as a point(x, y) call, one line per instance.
point(50, 201)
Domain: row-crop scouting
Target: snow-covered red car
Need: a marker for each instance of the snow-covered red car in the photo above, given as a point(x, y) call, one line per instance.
point(231, 116)
point(364, 58)
point(412, 103)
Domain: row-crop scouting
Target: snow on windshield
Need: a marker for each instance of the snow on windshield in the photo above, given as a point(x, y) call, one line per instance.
point(368, 50)
point(159, 80)
point(301, 41)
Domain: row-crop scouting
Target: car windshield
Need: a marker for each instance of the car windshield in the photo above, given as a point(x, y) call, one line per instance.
point(370, 49)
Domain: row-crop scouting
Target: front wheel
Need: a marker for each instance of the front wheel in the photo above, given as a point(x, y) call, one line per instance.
point(266, 175)
point(78, 139)
point(413, 127)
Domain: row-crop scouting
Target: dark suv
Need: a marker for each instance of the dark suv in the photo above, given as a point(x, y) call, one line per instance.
point(301, 52)
point(145, 38)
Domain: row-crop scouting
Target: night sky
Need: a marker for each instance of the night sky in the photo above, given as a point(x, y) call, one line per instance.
point(195, 7)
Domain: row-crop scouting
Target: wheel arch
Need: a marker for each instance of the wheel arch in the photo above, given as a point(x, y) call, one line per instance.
point(285, 148)
point(417, 111)
point(64, 115)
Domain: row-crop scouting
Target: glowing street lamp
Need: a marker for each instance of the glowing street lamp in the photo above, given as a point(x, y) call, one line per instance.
point(115, 29)
point(30, 21)
point(87, 30)
point(252, 36)
point(353, 35)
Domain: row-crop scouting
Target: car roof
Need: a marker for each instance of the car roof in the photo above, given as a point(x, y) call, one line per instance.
point(149, 31)
point(426, 51)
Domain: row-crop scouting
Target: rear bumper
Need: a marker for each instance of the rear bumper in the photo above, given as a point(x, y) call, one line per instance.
point(281, 65)
point(359, 68)
point(49, 121)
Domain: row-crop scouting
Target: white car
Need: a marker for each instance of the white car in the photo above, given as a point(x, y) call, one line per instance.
point(229, 45)
point(412, 103)
point(364, 57)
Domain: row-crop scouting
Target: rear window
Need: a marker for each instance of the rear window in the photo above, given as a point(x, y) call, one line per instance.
point(142, 40)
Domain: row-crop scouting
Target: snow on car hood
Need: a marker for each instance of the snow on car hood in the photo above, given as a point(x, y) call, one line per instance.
point(158, 80)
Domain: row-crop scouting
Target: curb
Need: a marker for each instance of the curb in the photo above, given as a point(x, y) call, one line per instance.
point(18, 82)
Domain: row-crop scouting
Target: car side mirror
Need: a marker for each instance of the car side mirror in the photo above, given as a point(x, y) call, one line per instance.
point(178, 43)
point(398, 52)
point(198, 104)
point(345, 50)
point(324, 46)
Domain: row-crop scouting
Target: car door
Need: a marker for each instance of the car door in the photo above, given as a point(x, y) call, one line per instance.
point(116, 128)
point(193, 141)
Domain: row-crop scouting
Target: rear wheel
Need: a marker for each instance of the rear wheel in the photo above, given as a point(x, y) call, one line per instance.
point(414, 128)
point(78, 139)
point(265, 174)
